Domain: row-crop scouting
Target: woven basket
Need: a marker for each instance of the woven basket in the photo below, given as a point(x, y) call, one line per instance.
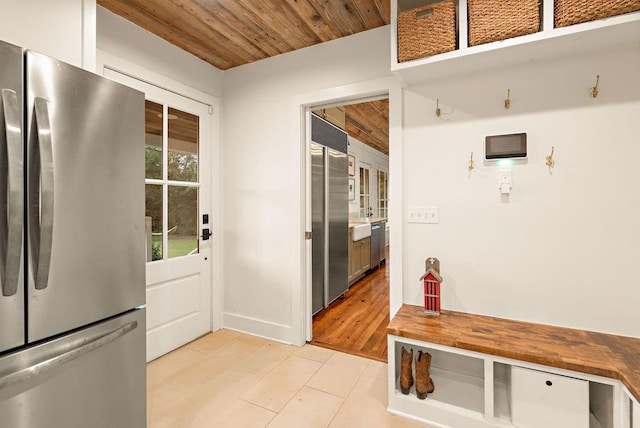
point(569, 12)
point(427, 30)
point(492, 20)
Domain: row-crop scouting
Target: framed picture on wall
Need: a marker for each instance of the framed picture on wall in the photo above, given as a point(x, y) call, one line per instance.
point(352, 164)
point(352, 189)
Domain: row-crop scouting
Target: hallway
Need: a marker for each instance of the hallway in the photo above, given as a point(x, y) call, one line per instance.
point(356, 324)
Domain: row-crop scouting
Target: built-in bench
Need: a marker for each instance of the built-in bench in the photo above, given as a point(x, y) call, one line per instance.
point(474, 358)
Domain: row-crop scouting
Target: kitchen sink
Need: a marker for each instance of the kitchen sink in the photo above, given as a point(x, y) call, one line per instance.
point(361, 231)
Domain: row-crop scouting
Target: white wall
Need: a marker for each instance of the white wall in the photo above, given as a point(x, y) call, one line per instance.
point(565, 248)
point(54, 28)
point(123, 39)
point(261, 186)
point(374, 160)
point(561, 251)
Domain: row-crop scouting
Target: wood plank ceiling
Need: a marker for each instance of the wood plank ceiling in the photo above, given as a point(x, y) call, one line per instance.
point(369, 123)
point(230, 33)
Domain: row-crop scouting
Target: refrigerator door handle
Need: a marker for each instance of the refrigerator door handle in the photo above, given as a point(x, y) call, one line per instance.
point(41, 194)
point(43, 367)
point(11, 249)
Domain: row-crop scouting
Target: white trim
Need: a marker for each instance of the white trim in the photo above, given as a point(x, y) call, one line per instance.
point(107, 61)
point(372, 89)
point(89, 35)
point(257, 327)
point(148, 82)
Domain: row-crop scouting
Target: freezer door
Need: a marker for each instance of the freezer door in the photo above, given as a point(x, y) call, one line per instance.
point(85, 180)
point(11, 198)
point(317, 227)
point(92, 378)
point(338, 223)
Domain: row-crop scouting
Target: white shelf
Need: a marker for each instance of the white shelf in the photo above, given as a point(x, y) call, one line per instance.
point(502, 411)
point(605, 34)
point(448, 388)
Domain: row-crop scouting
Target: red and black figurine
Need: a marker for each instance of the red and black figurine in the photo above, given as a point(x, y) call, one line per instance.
point(431, 283)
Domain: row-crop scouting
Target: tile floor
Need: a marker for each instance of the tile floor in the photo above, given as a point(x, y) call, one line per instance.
point(229, 379)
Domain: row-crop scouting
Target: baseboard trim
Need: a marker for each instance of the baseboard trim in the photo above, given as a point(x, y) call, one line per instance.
point(256, 327)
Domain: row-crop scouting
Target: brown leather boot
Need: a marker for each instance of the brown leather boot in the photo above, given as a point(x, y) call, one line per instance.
point(406, 374)
point(424, 383)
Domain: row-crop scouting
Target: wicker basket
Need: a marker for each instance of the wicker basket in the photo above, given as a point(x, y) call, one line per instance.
point(427, 30)
point(492, 20)
point(569, 12)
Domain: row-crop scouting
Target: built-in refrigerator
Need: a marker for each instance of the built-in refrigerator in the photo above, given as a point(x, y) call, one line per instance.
point(72, 253)
point(329, 213)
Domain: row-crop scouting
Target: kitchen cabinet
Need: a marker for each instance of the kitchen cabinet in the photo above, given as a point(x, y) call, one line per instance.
point(359, 257)
point(335, 115)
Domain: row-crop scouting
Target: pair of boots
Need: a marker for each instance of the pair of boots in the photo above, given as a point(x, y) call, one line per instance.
point(424, 383)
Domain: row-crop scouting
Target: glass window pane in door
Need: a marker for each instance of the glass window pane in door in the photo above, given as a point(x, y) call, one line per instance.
point(183, 146)
point(364, 193)
point(183, 221)
point(153, 212)
point(153, 140)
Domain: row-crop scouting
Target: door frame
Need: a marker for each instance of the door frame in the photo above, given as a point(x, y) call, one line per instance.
point(301, 107)
point(106, 61)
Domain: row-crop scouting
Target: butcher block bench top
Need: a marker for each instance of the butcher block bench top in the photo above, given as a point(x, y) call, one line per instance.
point(616, 357)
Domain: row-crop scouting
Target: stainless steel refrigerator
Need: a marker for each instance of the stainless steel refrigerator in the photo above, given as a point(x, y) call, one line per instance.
point(72, 254)
point(329, 213)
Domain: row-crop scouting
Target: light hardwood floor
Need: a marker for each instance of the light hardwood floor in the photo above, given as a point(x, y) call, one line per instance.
point(229, 379)
point(357, 323)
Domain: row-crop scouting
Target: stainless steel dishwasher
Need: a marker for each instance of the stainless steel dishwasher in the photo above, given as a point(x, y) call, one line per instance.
point(376, 231)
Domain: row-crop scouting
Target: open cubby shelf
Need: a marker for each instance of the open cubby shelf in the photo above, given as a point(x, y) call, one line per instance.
point(474, 390)
point(549, 42)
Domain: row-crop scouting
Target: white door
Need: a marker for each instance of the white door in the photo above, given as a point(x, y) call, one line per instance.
point(178, 142)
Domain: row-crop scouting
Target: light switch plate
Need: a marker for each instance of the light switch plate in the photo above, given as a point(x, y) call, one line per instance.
point(423, 215)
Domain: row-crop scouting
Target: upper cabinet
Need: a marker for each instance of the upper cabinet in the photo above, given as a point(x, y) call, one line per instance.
point(334, 115)
point(437, 39)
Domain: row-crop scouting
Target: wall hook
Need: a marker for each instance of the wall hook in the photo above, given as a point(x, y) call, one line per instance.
point(438, 112)
point(507, 102)
point(594, 90)
point(471, 164)
point(549, 161)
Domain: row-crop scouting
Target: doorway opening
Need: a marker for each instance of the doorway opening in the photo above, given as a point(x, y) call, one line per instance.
point(356, 321)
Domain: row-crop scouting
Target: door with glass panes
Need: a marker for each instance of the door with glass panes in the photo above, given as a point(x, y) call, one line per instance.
point(177, 217)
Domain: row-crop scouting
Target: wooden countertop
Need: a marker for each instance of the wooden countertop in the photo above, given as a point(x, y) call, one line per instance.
point(616, 357)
